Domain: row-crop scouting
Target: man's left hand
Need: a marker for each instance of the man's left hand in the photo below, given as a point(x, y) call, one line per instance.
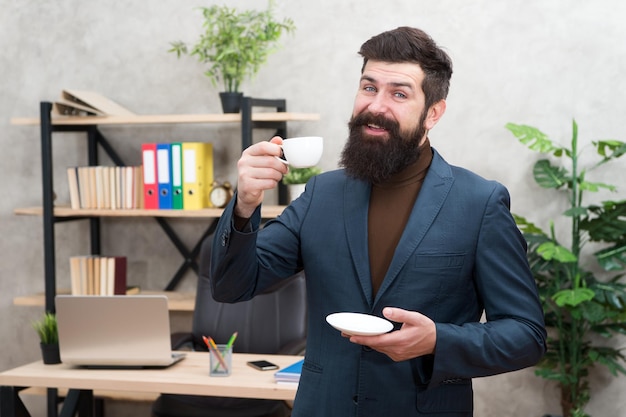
point(416, 337)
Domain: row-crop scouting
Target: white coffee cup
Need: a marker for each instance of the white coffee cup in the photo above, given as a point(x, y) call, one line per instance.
point(302, 152)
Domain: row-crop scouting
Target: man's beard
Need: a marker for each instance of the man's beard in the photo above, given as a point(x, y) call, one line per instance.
point(375, 159)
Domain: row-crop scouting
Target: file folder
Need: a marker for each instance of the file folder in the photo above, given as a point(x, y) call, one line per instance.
point(150, 186)
point(197, 174)
point(177, 175)
point(164, 179)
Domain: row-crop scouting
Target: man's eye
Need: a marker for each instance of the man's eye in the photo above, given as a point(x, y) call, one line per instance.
point(369, 88)
point(400, 95)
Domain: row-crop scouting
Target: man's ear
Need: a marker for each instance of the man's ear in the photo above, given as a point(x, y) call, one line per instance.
point(434, 114)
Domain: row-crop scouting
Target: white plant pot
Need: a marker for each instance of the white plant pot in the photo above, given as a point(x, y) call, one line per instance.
point(294, 190)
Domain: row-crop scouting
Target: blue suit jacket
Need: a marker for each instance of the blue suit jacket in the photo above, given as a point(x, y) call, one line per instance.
point(461, 254)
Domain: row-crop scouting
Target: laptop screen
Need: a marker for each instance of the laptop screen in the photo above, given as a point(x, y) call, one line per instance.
point(121, 330)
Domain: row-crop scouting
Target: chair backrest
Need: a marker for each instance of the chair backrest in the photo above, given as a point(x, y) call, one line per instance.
point(274, 322)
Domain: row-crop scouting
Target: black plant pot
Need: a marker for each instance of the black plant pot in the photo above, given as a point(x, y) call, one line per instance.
point(50, 354)
point(231, 102)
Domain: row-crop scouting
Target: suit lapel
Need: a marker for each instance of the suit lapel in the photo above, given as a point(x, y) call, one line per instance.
point(432, 195)
point(356, 204)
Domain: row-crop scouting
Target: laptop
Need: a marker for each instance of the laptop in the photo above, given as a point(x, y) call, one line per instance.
point(127, 331)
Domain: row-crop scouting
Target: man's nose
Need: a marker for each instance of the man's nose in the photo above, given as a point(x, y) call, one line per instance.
point(378, 105)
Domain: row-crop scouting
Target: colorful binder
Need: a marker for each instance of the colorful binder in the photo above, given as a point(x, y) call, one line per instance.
point(164, 178)
point(177, 175)
point(197, 174)
point(150, 186)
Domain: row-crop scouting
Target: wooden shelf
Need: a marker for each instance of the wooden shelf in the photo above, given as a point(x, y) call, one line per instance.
point(176, 301)
point(168, 119)
point(267, 212)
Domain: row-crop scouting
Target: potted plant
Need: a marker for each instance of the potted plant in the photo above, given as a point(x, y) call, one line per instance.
point(296, 179)
point(579, 284)
point(46, 328)
point(235, 44)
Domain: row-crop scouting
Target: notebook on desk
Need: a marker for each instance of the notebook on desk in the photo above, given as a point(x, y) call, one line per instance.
point(115, 331)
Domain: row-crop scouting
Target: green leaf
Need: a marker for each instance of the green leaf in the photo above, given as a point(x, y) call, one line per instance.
point(526, 226)
point(549, 176)
point(612, 258)
point(533, 138)
point(300, 175)
point(552, 251)
point(573, 297)
point(606, 223)
point(576, 212)
point(610, 358)
point(47, 329)
point(595, 186)
point(610, 149)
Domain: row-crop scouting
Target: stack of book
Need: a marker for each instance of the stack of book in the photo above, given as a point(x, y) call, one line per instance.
point(290, 374)
point(105, 187)
point(177, 175)
point(98, 275)
point(87, 103)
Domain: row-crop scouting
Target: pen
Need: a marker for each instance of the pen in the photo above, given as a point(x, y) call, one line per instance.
point(212, 346)
point(231, 340)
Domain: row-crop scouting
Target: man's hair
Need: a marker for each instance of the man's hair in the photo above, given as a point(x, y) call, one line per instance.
point(406, 44)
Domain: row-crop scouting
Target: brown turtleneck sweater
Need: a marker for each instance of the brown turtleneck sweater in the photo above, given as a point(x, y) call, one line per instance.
point(391, 203)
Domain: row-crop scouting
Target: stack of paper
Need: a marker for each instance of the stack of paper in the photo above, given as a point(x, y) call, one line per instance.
point(290, 374)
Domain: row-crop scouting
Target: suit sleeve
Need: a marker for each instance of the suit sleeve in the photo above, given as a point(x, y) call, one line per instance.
point(513, 336)
point(244, 264)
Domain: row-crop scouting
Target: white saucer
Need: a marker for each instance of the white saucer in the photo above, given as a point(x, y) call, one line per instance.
point(358, 324)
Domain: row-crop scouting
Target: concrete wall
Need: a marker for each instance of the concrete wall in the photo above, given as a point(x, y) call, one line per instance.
point(537, 62)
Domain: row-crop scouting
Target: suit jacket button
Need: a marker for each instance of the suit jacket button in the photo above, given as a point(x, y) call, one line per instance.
point(355, 399)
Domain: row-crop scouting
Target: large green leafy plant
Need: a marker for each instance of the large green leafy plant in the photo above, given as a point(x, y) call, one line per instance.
point(235, 43)
point(583, 299)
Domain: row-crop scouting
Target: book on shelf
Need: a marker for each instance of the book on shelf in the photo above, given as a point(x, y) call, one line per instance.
point(87, 103)
point(105, 187)
point(289, 374)
point(98, 275)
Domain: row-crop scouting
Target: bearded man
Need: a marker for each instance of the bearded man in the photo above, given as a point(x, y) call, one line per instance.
point(397, 233)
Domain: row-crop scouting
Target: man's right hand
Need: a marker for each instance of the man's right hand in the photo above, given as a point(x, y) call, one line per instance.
point(258, 170)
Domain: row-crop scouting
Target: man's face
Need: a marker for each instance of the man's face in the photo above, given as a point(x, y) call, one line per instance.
point(392, 90)
point(388, 122)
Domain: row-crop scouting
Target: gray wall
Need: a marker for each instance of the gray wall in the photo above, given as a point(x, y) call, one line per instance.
point(538, 62)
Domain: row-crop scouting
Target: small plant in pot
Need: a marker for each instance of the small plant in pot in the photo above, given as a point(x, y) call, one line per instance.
point(235, 44)
point(46, 328)
point(580, 282)
point(296, 179)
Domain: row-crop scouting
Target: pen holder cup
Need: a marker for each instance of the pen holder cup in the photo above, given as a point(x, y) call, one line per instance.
point(221, 361)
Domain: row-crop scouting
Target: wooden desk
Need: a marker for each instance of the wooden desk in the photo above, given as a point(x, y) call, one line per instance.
point(190, 376)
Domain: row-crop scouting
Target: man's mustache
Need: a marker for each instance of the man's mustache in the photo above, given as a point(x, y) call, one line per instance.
point(367, 118)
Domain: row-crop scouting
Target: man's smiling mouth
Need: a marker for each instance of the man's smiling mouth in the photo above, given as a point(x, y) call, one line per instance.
point(375, 127)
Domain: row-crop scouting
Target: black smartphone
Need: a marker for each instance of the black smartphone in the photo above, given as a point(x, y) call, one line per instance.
point(263, 365)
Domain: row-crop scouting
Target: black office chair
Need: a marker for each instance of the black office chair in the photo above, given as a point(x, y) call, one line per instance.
point(270, 323)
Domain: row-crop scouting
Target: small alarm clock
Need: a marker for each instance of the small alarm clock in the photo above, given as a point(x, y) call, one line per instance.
point(220, 194)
